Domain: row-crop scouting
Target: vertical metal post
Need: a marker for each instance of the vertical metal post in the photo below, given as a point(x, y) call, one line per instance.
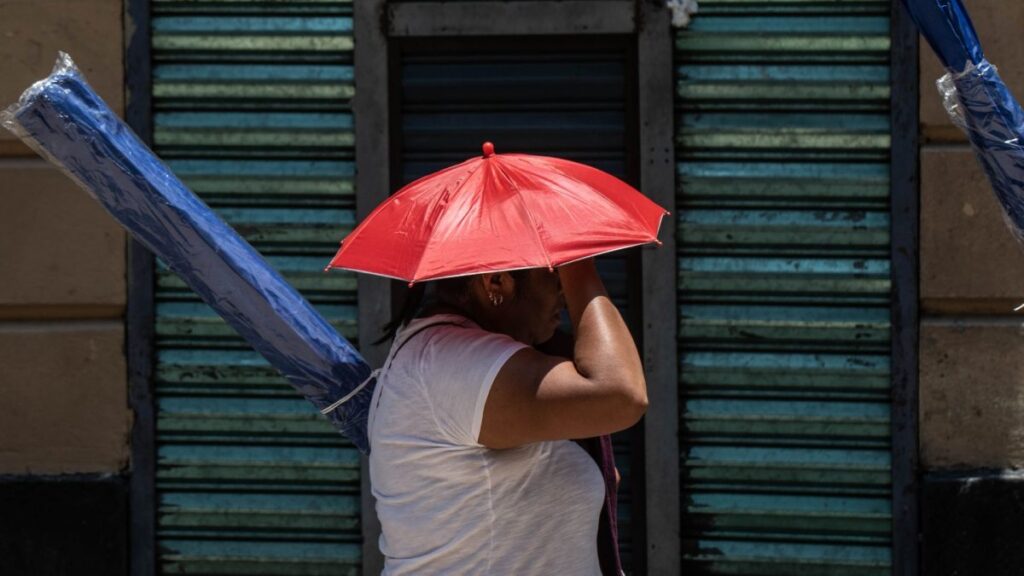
point(139, 313)
point(904, 195)
point(373, 184)
point(657, 181)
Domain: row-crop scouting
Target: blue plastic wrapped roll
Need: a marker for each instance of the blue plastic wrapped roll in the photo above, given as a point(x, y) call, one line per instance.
point(978, 101)
point(66, 122)
point(947, 27)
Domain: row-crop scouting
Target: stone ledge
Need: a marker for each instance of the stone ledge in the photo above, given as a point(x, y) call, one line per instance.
point(971, 393)
point(65, 396)
point(967, 251)
point(58, 246)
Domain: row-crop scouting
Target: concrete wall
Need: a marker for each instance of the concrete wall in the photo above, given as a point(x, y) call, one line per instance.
point(971, 340)
point(63, 381)
point(972, 277)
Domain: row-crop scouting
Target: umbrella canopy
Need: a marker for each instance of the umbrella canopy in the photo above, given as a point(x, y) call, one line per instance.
point(499, 212)
point(978, 101)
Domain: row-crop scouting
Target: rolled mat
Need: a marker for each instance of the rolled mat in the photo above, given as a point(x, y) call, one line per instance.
point(68, 124)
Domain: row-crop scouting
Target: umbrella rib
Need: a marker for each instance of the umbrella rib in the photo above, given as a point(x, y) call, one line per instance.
point(533, 225)
point(430, 239)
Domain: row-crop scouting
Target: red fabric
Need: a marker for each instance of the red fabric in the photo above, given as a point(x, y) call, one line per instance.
point(499, 212)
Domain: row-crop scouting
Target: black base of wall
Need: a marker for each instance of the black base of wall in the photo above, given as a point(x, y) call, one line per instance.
point(63, 525)
point(973, 523)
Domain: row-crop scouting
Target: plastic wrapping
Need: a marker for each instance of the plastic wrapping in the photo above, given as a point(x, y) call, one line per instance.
point(66, 122)
point(947, 27)
point(977, 101)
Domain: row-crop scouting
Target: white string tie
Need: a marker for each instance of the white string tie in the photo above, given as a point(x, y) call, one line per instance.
point(373, 375)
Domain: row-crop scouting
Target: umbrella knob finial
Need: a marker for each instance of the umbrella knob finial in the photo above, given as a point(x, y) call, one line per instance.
point(488, 149)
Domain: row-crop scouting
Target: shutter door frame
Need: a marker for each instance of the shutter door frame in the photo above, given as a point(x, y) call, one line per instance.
point(588, 50)
point(902, 254)
point(141, 305)
point(373, 184)
point(139, 313)
point(376, 22)
point(904, 258)
point(656, 113)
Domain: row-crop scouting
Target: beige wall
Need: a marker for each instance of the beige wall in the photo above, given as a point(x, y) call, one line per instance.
point(63, 382)
point(62, 264)
point(972, 277)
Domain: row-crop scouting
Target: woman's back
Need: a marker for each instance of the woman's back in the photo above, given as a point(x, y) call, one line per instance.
point(449, 505)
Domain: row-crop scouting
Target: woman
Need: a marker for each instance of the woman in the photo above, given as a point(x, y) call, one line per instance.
point(471, 460)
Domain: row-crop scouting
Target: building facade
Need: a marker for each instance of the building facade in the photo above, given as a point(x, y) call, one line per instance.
point(828, 329)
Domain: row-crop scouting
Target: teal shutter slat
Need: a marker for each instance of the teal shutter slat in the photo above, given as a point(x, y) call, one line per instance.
point(260, 558)
point(784, 288)
point(270, 182)
point(564, 103)
point(252, 111)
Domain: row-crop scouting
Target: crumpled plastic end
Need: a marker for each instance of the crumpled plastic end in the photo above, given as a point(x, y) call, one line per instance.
point(63, 69)
point(951, 101)
point(978, 88)
point(682, 11)
point(951, 96)
point(9, 116)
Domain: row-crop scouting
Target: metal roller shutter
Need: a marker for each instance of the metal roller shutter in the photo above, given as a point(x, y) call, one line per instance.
point(558, 102)
point(251, 110)
point(784, 288)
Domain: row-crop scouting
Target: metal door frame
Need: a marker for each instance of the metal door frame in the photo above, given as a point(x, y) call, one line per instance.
point(622, 45)
point(139, 313)
point(904, 196)
point(377, 21)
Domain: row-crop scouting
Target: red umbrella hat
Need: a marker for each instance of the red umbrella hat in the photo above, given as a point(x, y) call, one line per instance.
point(499, 212)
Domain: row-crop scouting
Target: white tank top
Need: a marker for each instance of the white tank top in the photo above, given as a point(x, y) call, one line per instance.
point(448, 505)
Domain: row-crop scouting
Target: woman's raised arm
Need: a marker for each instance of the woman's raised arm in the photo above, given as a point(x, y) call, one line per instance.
point(538, 397)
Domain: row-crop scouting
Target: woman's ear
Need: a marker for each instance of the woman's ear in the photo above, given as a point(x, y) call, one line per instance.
point(504, 284)
point(498, 283)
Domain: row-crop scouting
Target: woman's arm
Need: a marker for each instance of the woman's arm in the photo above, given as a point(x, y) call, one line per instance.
point(538, 397)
